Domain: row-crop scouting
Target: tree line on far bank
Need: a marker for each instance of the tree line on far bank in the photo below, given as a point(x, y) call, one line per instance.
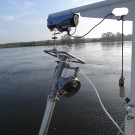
point(106, 37)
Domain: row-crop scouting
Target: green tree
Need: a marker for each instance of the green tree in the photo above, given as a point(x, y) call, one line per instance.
point(118, 36)
point(109, 36)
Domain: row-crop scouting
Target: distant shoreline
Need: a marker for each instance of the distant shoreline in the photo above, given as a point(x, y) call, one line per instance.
point(66, 39)
point(16, 45)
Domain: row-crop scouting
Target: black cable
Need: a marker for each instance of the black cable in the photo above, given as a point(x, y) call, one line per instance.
point(74, 32)
point(121, 81)
point(122, 47)
point(122, 38)
point(92, 27)
point(122, 50)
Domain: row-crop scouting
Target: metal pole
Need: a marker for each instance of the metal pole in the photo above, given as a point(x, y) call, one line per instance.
point(47, 116)
point(52, 98)
point(130, 117)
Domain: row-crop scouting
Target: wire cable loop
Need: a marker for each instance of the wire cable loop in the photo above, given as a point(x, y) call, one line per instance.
point(110, 14)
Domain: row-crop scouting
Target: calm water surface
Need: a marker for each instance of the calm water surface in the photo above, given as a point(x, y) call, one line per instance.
point(25, 75)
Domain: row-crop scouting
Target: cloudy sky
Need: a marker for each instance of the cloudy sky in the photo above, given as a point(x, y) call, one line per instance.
point(26, 20)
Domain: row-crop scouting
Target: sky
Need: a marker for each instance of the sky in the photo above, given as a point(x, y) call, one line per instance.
point(26, 20)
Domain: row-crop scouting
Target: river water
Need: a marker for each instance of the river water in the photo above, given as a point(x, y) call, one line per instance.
point(25, 77)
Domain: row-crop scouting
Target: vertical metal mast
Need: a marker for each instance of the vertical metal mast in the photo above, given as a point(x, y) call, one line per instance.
point(130, 117)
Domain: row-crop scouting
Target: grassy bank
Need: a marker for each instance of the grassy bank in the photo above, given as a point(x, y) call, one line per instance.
point(26, 44)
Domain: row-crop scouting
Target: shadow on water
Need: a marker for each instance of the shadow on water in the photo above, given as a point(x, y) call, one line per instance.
point(25, 76)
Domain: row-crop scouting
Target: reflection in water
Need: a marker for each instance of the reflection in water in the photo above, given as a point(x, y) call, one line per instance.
point(77, 47)
point(115, 43)
point(111, 44)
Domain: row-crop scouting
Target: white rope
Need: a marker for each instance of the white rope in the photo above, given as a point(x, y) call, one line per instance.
point(102, 103)
point(121, 127)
